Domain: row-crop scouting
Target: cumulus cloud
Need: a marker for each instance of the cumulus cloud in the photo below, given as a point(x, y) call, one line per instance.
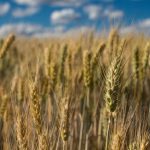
point(30, 2)
point(64, 3)
point(4, 8)
point(113, 14)
point(64, 16)
point(145, 23)
point(144, 26)
point(79, 30)
point(51, 2)
point(93, 11)
point(141, 26)
point(50, 32)
point(116, 14)
point(19, 13)
point(128, 29)
point(20, 29)
point(27, 29)
point(36, 30)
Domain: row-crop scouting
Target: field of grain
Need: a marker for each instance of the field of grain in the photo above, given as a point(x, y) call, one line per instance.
point(85, 93)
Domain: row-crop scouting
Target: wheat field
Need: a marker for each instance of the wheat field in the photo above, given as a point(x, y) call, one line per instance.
point(84, 93)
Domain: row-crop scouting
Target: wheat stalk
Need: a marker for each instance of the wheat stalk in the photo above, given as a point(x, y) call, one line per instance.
point(113, 88)
point(65, 120)
point(87, 69)
point(3, 105)
point(21, 132)
point(113, 84)
point(6, 45)
point(35, 108)
point(43, 145)
point(53, 74)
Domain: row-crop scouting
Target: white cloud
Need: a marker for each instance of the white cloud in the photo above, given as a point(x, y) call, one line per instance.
point(51, 2)
point(56, 31)
point(145, 23)
point(128, 29)
point(59, 29)
point(64, 3)
point(27, 29)
point(18, 13)
point(20, 29)
point(35, 30)
point(93, 11)
point(4, 8)
point(142, 26)
point(116, 14)
point(113, 14)
point(64, 16)
point(77, 30)
point(30, 2)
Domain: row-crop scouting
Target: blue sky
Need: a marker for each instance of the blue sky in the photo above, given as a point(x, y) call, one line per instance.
point(60, 17)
